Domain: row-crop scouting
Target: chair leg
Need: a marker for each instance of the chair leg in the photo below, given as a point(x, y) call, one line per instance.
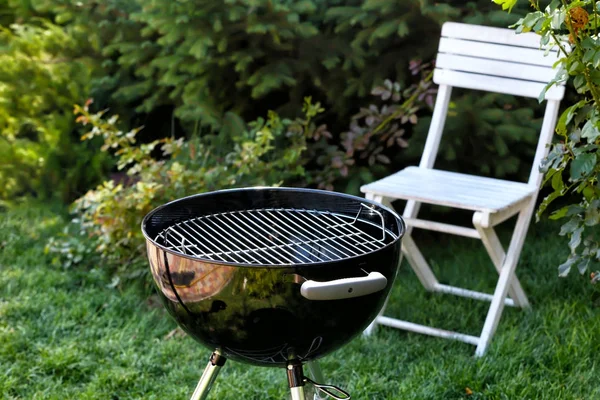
point(410, 250)
point(371, 328)
point(496, 252)
point(506, 277)
point(418, 263)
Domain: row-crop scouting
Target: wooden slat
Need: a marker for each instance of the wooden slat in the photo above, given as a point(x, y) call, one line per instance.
point(496, 52)
point(451, 189)
point(494, 84)
point(496, 68)
point(441, 227)
point(490, 35)
point(426, 330)
point(471, 294)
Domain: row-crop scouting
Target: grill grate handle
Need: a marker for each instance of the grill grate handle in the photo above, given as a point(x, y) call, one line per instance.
point(372, 209)
point(330, 390)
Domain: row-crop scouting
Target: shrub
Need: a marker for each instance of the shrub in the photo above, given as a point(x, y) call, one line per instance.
point(205, 58)
point(573, 167)
point(264, 152)
point(41, 77)
point(204, 61)
point(378, 134)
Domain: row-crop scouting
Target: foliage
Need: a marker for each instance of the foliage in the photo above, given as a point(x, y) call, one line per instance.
point(506, 4)
point(378, 134)
point(246, 56)
point(188, 66)
point(40, 80)
point(262, 153)
point(265, 152)
point(204, 59)
point(384, 123)
point(573, 167)
point(375, 135)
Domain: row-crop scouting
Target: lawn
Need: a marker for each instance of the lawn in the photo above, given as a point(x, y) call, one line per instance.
point(66, 334)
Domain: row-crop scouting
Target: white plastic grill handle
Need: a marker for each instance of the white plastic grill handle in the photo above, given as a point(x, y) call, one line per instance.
point(345, 288)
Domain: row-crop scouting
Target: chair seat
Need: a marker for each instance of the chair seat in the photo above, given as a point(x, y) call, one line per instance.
point(451, 189)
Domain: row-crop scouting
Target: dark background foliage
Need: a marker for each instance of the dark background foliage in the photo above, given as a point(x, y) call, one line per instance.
point(185, 68)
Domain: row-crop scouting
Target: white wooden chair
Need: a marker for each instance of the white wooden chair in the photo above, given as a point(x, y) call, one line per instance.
point(493, 60)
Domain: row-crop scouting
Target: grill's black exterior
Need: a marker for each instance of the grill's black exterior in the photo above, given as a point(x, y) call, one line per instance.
point(256, 314)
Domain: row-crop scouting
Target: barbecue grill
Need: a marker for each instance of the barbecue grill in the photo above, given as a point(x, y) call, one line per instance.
point(273, 276)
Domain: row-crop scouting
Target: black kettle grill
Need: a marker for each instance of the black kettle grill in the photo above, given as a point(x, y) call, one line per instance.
point(273, 276)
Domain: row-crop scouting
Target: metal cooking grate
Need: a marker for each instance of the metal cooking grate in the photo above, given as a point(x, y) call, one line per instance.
point(276, 236)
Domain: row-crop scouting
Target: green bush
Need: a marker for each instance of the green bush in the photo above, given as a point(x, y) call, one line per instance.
point(40, 80)
point(187, 66)
point(264, 152)
point(572, 167)
point(205, 58)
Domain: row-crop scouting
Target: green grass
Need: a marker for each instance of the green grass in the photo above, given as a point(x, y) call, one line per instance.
point(64, 334)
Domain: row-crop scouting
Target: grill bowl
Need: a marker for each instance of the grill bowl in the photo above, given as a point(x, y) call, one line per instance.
point(235, 285)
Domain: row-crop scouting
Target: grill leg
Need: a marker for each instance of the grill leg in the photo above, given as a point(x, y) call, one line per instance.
point(208, 376)
point(296, 380)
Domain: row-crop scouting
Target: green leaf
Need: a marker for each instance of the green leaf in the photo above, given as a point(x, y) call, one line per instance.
point(557, 19)
point(589, 55)
point(305, 6)
point(583, 264)
point(63, 18)
point(596, 60)
point(575, 239)
point(493, 115)
point(403, 29)
point(559, 213)
point(506, 4)
point(590, 131)
point(567, 116)
point(570, 226)
point(550, 172)
point(579, 82)
point(386, 29)
point(587, 112)
point(576, 65)
point(557, 182)
point(532, 18)
point(574, 209)
point(595, 76)
point(582, 165)
point(588, 43)
point(592, 214)
point(564, 268)
point(547, 200)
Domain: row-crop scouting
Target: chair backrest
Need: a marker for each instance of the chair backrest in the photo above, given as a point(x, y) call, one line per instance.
point(494, 60)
